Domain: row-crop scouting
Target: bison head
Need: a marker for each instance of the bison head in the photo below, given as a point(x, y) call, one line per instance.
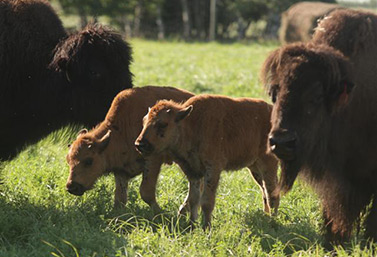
point(161, 127)
point(86, 161)
point(94, 63)
point(309, 85)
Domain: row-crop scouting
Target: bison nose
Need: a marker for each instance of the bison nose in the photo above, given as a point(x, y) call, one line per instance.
point(143, 146)
point(283, 144)
point(75, 188)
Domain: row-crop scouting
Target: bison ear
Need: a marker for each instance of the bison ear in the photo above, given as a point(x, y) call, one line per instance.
point(183, 113)
point(341, 95)
point(104, 141)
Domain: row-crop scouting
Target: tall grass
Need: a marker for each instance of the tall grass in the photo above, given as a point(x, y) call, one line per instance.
point(39, 218)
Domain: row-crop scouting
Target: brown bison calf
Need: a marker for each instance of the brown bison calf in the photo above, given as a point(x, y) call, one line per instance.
point(325, 129)
point(110, 146)
point(208, 134)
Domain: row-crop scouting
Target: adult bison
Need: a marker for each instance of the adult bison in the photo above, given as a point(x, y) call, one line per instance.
point(354, 33)
point(48, 79)
point(325, 129)
point(299, 21)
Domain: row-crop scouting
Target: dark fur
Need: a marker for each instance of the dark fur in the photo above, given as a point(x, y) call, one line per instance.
point(299, 21)
point(49, 79)
point(335, 125)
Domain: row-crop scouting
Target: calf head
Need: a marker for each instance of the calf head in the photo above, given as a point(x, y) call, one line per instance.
point(309, 84)
point(161, 127)
point(94, 63)
point(86, 161)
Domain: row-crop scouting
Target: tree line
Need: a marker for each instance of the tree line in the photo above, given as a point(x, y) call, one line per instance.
point(187, 19)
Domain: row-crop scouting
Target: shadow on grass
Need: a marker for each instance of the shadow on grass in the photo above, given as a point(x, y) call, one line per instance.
point(297, 235)
point(31, 230)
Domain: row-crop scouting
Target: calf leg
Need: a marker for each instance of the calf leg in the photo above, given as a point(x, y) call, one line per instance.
point(195, 191)
point(264, 172)
point(121, 188)
point(211, 181)
point(149, 182)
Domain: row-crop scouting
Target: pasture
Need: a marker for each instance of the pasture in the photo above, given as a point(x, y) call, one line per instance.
point(39, 218)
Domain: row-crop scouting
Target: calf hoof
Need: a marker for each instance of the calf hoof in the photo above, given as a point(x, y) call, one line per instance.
point(156, 209)
point(119, 205)
point(183, 209)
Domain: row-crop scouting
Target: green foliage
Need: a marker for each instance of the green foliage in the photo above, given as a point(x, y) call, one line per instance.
point(39, 218)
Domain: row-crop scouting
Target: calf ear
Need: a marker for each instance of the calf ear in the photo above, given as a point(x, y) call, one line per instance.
point(82, 132)
point(183, 113)
point(104, 141)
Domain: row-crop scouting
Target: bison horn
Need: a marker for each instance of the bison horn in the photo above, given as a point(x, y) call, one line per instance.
point(67, 76)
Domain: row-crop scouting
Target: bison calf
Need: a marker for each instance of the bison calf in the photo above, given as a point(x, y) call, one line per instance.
point(208, 134)
point(110, 146)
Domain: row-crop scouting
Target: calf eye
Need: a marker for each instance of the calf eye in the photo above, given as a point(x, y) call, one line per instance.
point(88, 162)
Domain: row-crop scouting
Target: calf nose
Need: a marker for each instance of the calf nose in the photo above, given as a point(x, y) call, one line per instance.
point(283, 144)
point(143, 146)
point(75, 188)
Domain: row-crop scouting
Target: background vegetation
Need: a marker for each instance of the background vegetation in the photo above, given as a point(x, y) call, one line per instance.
point(187, 19)
point(39, 218)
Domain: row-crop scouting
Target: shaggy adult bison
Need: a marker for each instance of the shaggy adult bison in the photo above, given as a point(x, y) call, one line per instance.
point(208, 134)
point(299, 21)
point(324, 128)
point(354, 33)
point(48, 79)
point(110, 146)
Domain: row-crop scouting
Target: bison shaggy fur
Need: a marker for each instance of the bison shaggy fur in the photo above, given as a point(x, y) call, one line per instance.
point(110, 146)
point(49, 78)
point(324, 124)
point(208, 134)
point(299, 21)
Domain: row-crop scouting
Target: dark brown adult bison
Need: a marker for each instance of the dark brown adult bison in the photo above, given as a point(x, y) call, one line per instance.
point(324, 128)
point(354, 33)
point(48, 79)
point(299, 21)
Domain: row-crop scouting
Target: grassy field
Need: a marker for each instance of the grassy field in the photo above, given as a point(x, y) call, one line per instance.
point(39, 218)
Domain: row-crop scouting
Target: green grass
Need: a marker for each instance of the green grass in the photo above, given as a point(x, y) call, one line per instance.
point(39, 218)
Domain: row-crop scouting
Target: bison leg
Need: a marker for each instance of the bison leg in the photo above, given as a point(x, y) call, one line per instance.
point(149, 182)
point(193, 195)
point(264, 172)
point(211, 181)
point(121, 188)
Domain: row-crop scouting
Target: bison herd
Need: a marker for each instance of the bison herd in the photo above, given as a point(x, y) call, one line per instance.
point(321, 126)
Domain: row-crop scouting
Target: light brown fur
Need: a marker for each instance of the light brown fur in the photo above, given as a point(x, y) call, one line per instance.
point(220, 133)
point(111, 145)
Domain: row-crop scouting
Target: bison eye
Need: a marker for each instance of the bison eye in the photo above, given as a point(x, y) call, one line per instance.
point(88, 162)
point(94, 73)
point(274, 93)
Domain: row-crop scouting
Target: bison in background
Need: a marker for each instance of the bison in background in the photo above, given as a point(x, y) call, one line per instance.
point(299, 21)
point(49, 79)
point(208, 134)
point(324, 128)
